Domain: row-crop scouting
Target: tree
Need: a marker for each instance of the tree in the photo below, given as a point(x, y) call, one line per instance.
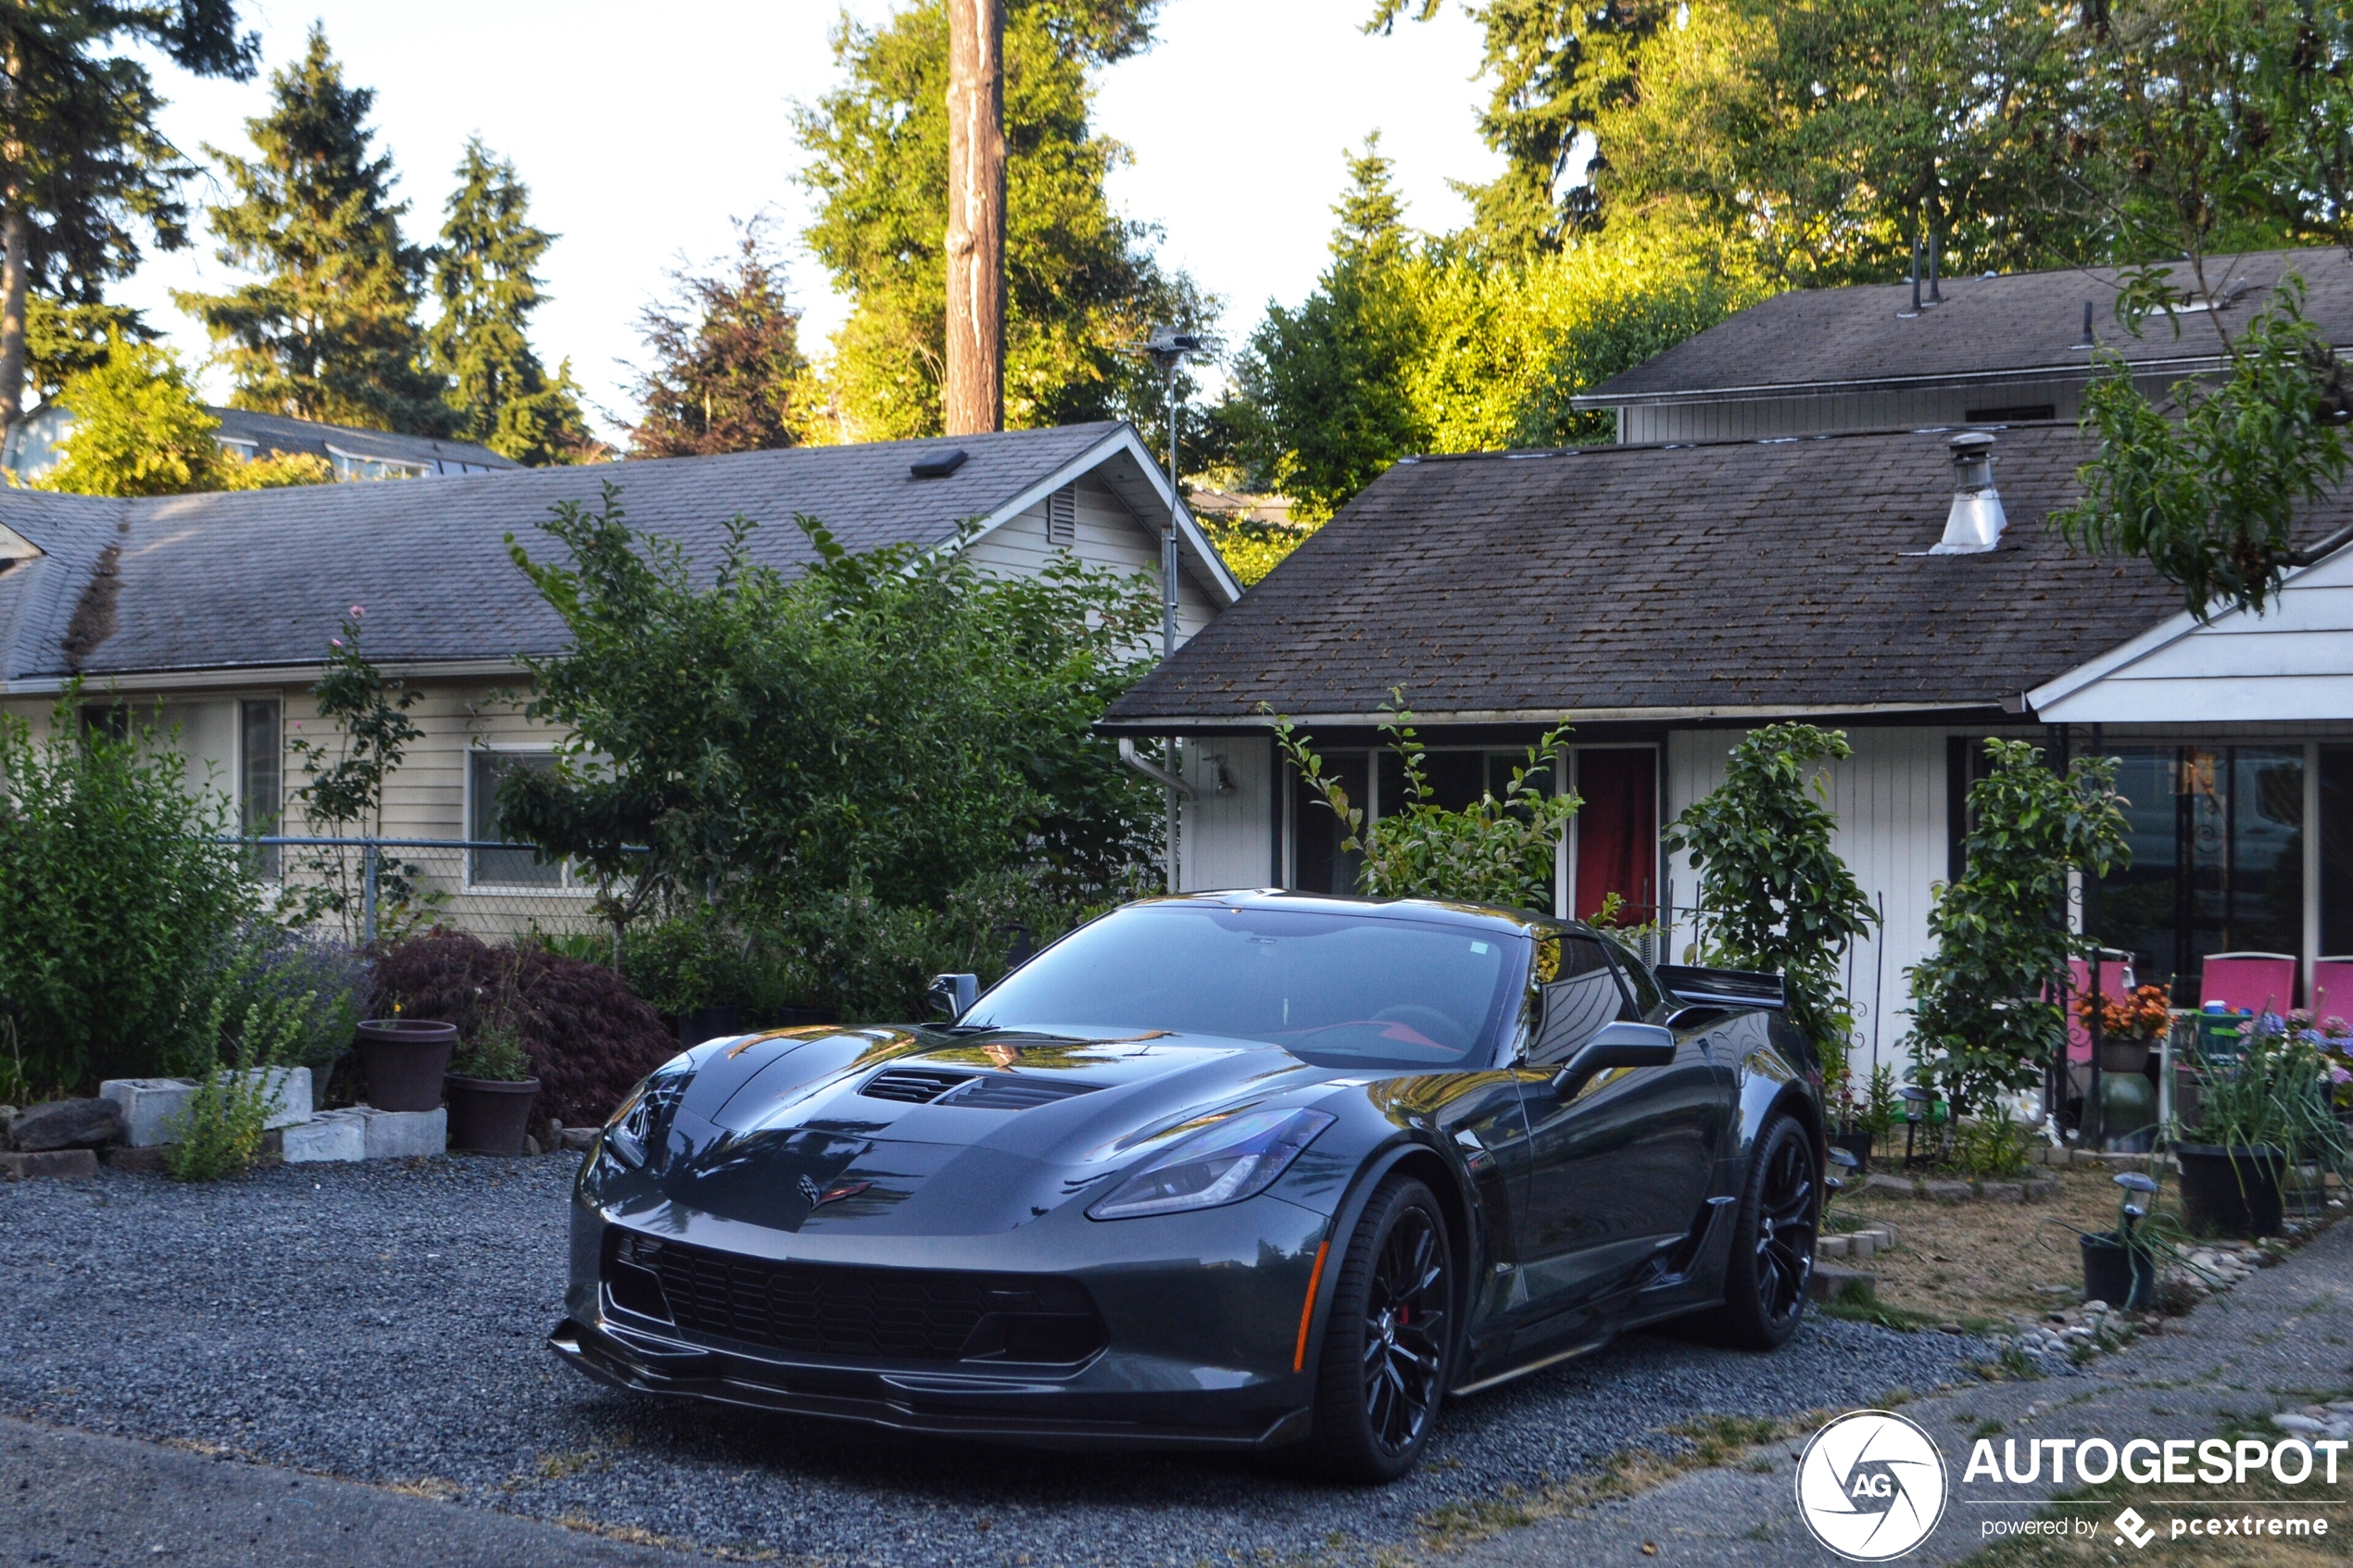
point(1079, 280)
point(140, 428)
point(485, 278)
point(63, 338)
point(728, 374)
point(1773, 893)
point(884, 726)
point(1982, 1019)
point(83, 163)
point(330, 332)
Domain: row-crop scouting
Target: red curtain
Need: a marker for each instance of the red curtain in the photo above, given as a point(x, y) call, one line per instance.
point(1618, 830)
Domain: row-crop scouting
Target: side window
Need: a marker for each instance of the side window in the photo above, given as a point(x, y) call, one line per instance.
point(1581, 995)
point(1648, 1003)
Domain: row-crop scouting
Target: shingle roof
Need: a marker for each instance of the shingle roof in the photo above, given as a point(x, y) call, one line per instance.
point(1988, 329)
point(1669, 582)
point(275, 432)
point(262, 578)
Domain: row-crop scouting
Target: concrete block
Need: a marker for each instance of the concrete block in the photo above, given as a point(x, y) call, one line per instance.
point(403, 1134)
point(2002, 1192)
point(2039, 1190)
point(153, 1160)
point(1883, 1235)
point(1831, 1247)
point(150, 1106)
point(577, 1139)
point(1833, 1282)
point(330, 1135)
point(1893, 1185)
point(1947, 1191)
point(68, 1162)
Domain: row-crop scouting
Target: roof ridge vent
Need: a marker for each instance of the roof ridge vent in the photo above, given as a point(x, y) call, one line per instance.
point(1974, 523)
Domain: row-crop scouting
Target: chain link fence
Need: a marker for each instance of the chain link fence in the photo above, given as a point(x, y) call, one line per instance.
point(359, 889)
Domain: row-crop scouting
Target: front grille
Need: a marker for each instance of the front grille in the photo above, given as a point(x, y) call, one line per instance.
point(915, 1085)
point(893, 1315)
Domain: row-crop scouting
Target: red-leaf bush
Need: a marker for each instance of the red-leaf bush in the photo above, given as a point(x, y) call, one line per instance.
point(588, 1037)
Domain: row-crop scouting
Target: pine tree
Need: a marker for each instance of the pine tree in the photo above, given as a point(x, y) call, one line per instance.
point(727, 361)
point(330, 332)
point(484, 277)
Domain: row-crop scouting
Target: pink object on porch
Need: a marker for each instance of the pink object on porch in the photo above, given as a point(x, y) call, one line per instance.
point(2249, 981)
point(2333, 987)
point(2079, 978)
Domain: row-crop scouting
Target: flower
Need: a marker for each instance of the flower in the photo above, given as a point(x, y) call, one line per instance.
point(335, 642)
point(357, 613)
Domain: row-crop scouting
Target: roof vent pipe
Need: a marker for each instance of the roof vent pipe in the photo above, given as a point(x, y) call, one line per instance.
point(1975, 522)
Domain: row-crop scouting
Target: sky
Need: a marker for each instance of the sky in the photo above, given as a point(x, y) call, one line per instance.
point(639, 144)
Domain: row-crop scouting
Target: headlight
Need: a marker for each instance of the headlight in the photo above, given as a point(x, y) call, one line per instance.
point(644, 1117)
point(1238, 1158)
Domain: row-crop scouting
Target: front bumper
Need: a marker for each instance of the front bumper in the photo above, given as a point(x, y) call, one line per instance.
point(1201, 1343)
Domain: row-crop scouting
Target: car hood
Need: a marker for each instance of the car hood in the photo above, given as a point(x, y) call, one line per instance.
point(917, 1131)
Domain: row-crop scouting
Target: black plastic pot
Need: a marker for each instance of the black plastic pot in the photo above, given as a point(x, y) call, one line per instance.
point(2121, 1275)
point(1859, 1144)
point(488, 1116)
point(403, 1060)
point(709, 1024)
point(2231, 1191)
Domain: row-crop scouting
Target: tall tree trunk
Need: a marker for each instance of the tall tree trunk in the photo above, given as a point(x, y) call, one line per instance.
point(974, 397)
point(16, 233)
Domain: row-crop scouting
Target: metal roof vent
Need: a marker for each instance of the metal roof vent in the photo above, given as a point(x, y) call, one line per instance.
point(1975, 523)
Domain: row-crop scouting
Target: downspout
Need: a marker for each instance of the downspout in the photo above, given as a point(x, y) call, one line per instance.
point(1152, 770)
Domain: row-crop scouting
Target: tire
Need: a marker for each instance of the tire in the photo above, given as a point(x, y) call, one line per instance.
point(1387, 1347)
point(1772, 1258)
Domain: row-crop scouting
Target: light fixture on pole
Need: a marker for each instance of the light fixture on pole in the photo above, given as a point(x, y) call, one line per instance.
point(1168, 348)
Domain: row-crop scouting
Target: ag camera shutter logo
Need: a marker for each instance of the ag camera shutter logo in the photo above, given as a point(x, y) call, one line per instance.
point(1870, 1486)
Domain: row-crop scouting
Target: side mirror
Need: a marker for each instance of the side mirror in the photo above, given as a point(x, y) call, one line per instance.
point(1616, 1045)
point(954, 994)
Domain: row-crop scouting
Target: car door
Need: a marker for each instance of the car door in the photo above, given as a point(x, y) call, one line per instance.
point(1621, 1166)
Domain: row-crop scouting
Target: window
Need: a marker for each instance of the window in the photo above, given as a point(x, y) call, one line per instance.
point(1062, 516)
point(1583, 995)
point(503, 867)
point(260, 777)
point(2217, 834)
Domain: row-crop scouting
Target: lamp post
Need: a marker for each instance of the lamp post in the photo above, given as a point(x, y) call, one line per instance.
point(1168, 349)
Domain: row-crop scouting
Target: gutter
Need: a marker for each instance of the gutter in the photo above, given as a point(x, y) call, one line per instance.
point(247, 676)
point(1149, 769)
point(1129, 725)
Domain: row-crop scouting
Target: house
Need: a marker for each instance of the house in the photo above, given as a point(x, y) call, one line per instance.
point(1667, 598)
point(2007, 349)
point(30, 446)
point(219, 606)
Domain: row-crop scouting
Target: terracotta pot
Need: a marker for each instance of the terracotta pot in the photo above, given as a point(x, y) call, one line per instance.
point(488, 1115)
point(403, 1060)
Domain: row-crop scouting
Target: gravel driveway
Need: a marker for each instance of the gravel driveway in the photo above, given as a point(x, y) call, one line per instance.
point(383, 1323)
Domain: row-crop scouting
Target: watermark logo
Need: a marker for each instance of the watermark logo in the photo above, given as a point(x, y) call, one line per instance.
point(1870, 1486)
point(2131, 1527)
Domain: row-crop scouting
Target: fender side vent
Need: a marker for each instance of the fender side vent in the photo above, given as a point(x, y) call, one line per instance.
point(913, 1085)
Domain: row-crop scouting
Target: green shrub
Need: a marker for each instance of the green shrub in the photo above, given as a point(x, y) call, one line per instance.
point(494, 1052)
point(310, 985)
point(119, 897)
point(220, 1133)
point(1991, 1145)
point(707, 956)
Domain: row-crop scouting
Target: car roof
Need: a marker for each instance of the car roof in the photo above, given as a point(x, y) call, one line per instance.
point(1490, 917)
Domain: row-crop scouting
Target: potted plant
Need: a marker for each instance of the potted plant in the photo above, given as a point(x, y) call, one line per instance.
point(491, 1091)
point(2120, 1266)
point(2260, 1113)
point(2129, 1026)
point(404, 1060)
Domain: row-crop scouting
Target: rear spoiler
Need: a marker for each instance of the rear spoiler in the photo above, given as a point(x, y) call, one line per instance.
point(1723, 988)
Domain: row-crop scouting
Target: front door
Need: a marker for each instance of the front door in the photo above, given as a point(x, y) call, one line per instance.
point(1619, 1169)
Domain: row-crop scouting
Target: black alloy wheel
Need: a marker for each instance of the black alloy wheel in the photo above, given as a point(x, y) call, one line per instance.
point(1387, 1344)
point(1771, 1265)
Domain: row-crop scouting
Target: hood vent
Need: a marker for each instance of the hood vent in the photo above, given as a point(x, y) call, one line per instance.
point(1974, 525)
point(913, 1085)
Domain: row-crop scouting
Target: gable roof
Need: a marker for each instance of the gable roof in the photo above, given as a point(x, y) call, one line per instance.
point(1734, 580)
point(275, 432)
point(258, 579)
point(2023, 325)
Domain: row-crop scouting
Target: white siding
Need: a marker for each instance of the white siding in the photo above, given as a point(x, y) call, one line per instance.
point(1889, 798)
point(2293, 662)
point(1109, 535)
point(1228, 840)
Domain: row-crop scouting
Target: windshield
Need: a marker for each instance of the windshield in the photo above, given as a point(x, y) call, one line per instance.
point(1336, 989)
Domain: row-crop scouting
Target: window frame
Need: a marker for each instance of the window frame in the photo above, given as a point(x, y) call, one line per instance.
point(567, 884)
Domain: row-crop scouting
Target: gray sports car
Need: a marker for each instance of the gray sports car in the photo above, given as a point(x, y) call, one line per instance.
point(1248, 1170)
